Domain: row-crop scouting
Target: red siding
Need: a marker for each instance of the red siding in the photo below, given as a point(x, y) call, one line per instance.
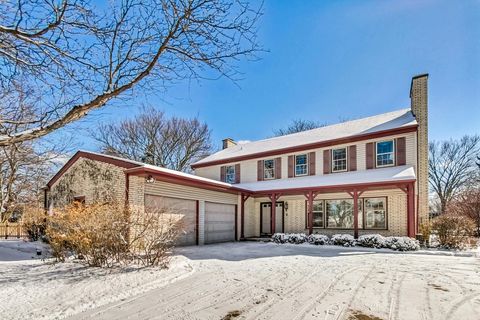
point(222, 173)
point(370, 155)
point(237, 173)
point(327, 161)
point(260, 170)
point(352, 158)
point(290, 166)
point(401, 149)
point(278, 168)
point(311, 163)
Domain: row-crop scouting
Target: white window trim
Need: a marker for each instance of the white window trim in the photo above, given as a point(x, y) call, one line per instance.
point(273, 168)
point(346, 160)
point(234, 174)
point(295, 165)
point(376, 154)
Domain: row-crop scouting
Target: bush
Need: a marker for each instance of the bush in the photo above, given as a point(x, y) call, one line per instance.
point(453, 231)
point(296, 238)
point(34, 221)
point(105, 235)
point(345, 240)
point(371, 241)
point(402, 243)
point(318, 239)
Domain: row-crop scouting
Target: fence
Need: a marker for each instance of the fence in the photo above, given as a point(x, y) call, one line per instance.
point(12, 230)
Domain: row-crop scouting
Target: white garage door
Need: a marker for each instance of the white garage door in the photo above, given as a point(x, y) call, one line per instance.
point(219, 222)
point(182, 210)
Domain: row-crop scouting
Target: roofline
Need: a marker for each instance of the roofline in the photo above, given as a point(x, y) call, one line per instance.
point(92, 156)
point(187, 181)
point(314, 145)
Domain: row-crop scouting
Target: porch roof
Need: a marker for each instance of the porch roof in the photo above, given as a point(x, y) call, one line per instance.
point(352, 179)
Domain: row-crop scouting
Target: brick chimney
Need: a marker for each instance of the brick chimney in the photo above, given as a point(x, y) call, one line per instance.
point(419, 106)
point(228, 142)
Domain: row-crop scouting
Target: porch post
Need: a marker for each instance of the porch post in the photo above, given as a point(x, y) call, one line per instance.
point(411, 210)
point(242, 215)
point(310, 212)
point(272, 213)
point(355, 213)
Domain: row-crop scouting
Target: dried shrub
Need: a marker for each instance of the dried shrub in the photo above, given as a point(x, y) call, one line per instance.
point(34, 222)
point(106, 235)
point(426, 230)
point(453, 231)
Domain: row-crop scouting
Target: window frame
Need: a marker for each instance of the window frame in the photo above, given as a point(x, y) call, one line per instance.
point(377, 154)
point(323, 212)
point(360, 209)
point(333, 161)
point(227, 174)
point(365, 213)
point(273, 170)
point(306, 165)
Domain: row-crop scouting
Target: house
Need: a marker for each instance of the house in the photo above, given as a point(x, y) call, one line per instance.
point(363, 176)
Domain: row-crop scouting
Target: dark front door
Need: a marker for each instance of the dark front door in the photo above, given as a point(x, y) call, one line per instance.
point(266, 218)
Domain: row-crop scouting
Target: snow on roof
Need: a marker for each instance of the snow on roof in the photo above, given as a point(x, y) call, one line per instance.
point(381, 122)
point(391, 174)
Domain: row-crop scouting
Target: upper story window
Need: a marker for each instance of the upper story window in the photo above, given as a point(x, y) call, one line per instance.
point(301, 165)
point(339, 160)
point(230, 174)
point(385, 153)
point(269, 169)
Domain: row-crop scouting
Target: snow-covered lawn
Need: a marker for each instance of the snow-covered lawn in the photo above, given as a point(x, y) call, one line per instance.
point(251, 281)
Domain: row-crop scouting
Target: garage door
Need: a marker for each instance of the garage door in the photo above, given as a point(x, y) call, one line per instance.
point(182, 210)
point(219, 222)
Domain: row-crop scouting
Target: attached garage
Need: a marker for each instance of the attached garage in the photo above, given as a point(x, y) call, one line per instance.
point(185, 211)
point(219, 222)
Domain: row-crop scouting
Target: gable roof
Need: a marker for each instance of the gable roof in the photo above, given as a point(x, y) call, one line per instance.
point(394, 122)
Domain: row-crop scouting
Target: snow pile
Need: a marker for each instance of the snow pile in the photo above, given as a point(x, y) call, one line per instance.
point(371, 241)
point(345, 240)
point(318, 239)
point(402, 243)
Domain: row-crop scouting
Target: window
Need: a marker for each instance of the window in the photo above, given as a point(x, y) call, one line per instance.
point(376, 213)
point(340, 214)
point(339, 160)
point(230, 174)
point(385, 153)
point(318, 214)
point(301, 165)
point(269, 169)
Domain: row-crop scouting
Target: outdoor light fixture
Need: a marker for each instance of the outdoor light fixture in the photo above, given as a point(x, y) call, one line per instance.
point(150, 179)
point(286, 206)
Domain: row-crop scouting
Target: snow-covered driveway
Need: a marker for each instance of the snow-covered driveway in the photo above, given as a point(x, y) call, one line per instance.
point(268, 281)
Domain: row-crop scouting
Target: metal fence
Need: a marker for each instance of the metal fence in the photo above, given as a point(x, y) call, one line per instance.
point(12, 230)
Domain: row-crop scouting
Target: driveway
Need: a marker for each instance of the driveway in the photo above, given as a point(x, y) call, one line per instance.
point(268, 281)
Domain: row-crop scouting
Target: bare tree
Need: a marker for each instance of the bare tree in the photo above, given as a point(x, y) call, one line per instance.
point(298, 125)
point(467, 203)
point(152, 138)
point(80, 57)
point(451, 166)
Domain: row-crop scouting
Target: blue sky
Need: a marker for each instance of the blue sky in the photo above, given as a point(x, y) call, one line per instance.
point(335, 60)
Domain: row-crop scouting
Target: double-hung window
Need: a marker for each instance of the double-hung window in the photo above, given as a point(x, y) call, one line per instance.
point(318, 214)
point(301, 165)
point(376, 213)
point(230, 174)
point(385, 153)
point(269, 169)
point(339, 160)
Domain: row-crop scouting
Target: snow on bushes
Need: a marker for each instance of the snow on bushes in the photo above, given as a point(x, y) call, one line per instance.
point(318, 239)
point(345, 240)
point(369, 240)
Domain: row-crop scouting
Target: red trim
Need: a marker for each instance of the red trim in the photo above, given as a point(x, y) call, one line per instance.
point(242, 215)
point(315, 145)
point(355, 213)
point(411, 210)
point(197, 219)
point(92, 156)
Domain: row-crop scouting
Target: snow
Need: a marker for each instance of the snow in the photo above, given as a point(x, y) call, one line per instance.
point(390, 174)
point(259, 280)
point(391, 120)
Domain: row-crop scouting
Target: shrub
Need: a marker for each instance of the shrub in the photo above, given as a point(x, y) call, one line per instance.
point(296, 238)
point(402, 243)
point(371, 241)
point(345, 240)
point(34, 221)
point(453, 231)
point(279, 238)
point(426, 231)
point(318, 239)
point(107, 234)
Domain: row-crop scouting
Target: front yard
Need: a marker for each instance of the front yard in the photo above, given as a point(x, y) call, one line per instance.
point(250, 281)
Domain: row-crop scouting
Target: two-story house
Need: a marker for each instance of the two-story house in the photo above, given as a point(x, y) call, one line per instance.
point(363, 176)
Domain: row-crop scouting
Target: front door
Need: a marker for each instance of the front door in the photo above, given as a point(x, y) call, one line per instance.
point(266, 218)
